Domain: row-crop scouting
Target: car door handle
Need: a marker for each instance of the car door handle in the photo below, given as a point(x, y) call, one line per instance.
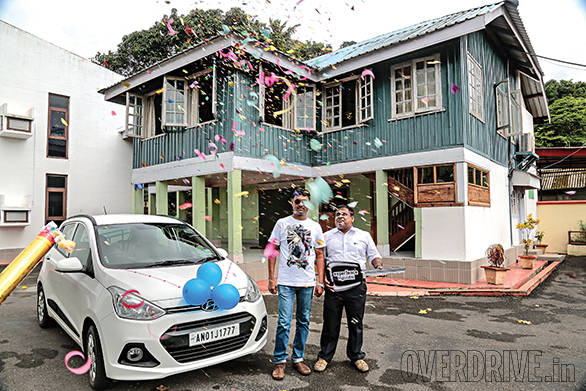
point(49, 259)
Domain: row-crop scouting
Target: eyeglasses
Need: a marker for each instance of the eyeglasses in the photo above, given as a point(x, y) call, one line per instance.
point(342, 214)
point(298, 201)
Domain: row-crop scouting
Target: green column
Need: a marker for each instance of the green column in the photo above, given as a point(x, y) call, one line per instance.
point(417, 217)
point(152, 200)
point(162, 200)
point(312, 214)
point(235, 215)
point(137, 201)
point(198, 201)
point(181, 214)
point(209, 211)
point(382, 212)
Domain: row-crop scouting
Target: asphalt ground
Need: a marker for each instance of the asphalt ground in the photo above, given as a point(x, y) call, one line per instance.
point(400, 343)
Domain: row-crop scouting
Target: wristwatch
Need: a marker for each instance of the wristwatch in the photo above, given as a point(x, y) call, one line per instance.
point(320, 284)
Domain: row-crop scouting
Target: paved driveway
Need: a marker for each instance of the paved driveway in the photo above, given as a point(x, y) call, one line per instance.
point(400, 342)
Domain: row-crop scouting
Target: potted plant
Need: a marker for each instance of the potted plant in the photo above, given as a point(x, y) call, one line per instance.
point(538, 237)
point(495, 271)
point(527, 228)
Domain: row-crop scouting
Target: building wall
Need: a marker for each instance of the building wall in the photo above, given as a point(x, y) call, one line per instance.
point(99, 163)
point(557, 218)
point(360, 192)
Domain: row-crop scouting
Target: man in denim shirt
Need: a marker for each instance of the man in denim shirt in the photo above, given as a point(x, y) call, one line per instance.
point(300, 241)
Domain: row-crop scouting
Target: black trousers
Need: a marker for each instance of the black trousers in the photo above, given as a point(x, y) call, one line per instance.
point(353, 300)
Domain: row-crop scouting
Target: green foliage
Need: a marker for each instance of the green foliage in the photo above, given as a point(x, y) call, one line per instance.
point(144, 48)
point(347, 43)
point(556, 89)
point(568, 124)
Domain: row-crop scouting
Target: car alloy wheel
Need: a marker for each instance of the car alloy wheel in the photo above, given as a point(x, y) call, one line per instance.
point(91, 352)
point(41, 306)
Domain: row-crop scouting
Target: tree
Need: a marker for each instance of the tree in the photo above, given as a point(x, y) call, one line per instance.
point(347, 43)
point(144, 48)
point(556, 89)
point(568, 123)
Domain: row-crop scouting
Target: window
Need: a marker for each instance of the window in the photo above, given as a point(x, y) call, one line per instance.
point(274, 102)
point(16, 216)
point(476, 97)
point(56, 198)
point(134, 115)
point(502, 108)
point(58, 127)
point(20, 124)
point(174, 101)
point(305, 108)
point(478, 186)
point(416, 87)
point(202, 97)
point(67, 230)
point(435, 174)
point(82, 248)
point(348, 103)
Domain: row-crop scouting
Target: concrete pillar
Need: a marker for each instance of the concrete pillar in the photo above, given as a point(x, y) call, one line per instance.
point(381, 199)
point(137, 201)
point(311, 214)
point(198, 200)
point(162, 200)
point(209, 211)
point(152, 199)
point(181, 214)
point(235, 216)
point(417, 217)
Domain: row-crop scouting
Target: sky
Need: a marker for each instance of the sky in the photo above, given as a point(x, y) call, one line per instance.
point(556, 28)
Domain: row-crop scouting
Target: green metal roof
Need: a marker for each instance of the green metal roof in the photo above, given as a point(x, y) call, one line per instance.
point(398, 36)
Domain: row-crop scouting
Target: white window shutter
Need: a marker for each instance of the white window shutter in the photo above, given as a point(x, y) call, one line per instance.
point(164, 104)
point(261, 95)
point(214, 91)
point(126, 128)
point(365, 97)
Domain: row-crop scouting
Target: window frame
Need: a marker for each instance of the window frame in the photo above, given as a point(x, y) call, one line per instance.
point(368, 108)
point(66, 132)
point(314, 107)
point(11, 117)
point(357, 105)
point(192, 98)
point(435, 182)
point(165, 101)
point(482, 170)
point(436, 58)
point(26, 212)
point(55, 190)
point(471, 88)
point(128, 115)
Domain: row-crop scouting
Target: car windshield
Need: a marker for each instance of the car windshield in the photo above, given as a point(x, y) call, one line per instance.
point(137, 245)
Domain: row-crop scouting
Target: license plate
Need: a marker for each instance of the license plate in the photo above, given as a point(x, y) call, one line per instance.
point(213, 334)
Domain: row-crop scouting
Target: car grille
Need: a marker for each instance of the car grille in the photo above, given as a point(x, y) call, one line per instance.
point(188, 308)
point(176, 339)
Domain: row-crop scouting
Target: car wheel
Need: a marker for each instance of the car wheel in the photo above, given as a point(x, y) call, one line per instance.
point(43, 317)
point(93, 349)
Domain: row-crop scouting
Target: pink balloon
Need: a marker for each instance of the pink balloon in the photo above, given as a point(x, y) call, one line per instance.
point(81, 370)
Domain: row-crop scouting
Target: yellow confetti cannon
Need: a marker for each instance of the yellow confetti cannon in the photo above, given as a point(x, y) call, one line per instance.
point(28, 258)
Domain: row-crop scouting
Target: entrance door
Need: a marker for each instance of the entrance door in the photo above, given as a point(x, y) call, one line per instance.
point(273, 205)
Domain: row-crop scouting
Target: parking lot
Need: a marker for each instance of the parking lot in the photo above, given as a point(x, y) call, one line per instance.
point(397, 330)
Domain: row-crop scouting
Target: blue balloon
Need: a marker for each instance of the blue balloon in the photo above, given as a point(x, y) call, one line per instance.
point(196, 291)
point(225, 296)
point(210, 272)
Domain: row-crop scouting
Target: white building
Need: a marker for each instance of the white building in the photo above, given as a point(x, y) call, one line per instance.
point(61, 151)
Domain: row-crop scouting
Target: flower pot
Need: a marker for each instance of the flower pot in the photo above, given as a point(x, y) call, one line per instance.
point(495, 275)
point(527, 261)
point(541, 247)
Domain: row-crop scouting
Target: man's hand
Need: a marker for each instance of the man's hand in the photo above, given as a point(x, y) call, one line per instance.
point(318, 291)
point(273, 286)
point(329, 287)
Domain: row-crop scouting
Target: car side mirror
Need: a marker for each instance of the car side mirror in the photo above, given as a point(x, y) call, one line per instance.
point(223, 253)
point(69, 265)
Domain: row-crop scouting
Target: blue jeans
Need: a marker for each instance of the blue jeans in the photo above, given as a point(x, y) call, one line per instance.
point(287, 295)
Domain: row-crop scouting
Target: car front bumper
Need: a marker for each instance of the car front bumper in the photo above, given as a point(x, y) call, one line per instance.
point(164, 337)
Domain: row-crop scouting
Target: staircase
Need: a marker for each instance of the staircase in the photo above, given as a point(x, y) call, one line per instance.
point(401, 219)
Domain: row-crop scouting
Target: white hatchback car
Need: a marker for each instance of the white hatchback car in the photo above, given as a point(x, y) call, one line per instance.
point(153, 333)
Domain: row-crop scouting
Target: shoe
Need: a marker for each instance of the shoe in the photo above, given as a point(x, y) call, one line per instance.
point(279, 371)
point(361, 365)
point(302, 368)
point(320, 365)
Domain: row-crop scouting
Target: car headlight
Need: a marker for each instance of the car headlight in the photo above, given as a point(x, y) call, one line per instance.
point(129, 305)
point(252, 291)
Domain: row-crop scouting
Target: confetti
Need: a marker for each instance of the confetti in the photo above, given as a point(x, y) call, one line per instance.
point(353, 204)
point(425, 100)
point(185, 206)
point(113, 112)
point(217, 201)
point(159, 91)
point(23, 287)
point(273, 159)
point(320, 242)
point(208, 218)
point(125, 84)
point(243, 193)
point(315, 145)
point(81, 370)
point(64, 122)
point(367, 72)
point(414, 297)
point(363, 212)
point(454, 88)
point(324, 217)
point(225, 30)
point(171, 31)
point(377, 142)
point(199, 154)
point(238, 132)
point(186, 181)
point(270, 250)
point(524, 321)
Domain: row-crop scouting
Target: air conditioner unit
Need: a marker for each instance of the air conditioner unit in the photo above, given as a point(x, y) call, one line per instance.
point(527, 143)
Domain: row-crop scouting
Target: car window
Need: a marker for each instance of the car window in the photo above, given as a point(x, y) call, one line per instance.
point(82, 248)
point(136, 244)
point(67, 230)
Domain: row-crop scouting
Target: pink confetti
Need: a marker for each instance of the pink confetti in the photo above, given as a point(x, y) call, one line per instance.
point(113, 112)
point(214, 150)
point(367, 72)
point(238, 132)
point(184, 206)
point(308, 72)
point(81, 370)
point(290, 90)
point(171, 31)
point(217, 138)
point(271, 80)
point(425, 100)
point(208, 218)
point(131, 305)
point(363, 212)
point(186, 181)
point(454, 89)
point(271, 250)
point(400, 226)
point(199, 154)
